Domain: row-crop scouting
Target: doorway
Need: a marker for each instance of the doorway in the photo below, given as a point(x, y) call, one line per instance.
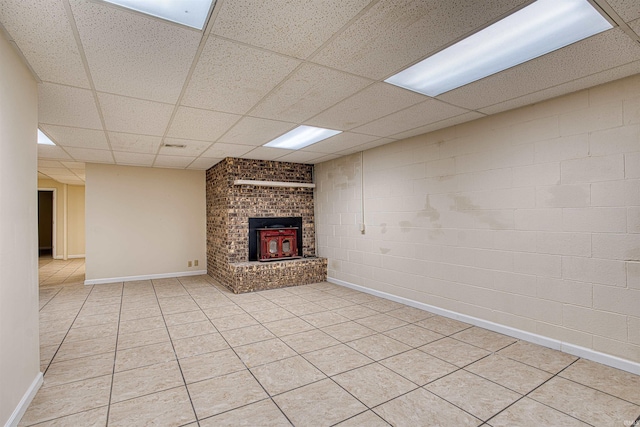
point(46, 222)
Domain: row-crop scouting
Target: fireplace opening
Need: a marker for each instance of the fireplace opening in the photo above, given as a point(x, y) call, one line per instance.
point(273, 239)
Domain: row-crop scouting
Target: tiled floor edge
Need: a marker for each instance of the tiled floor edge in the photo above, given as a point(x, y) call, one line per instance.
point(585, 353)
point(24, 403)
point(144, 277)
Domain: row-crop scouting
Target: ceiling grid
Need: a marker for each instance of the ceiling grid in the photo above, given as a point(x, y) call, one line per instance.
point(115, 85)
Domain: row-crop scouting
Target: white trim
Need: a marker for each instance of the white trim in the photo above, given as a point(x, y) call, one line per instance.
point(58, 257)
point(273, 183)
point(17, 414)
point(76, 256)
point(144, 277)
point(585, 353)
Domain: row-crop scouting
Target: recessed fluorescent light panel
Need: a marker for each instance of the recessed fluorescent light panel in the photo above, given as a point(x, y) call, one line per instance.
point(44, 139)
point(301, 137)
point(540, 28)
point(192, 13)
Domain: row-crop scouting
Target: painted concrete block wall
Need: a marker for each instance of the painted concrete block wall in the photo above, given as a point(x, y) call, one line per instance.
point(20, 374)
point(529, 218)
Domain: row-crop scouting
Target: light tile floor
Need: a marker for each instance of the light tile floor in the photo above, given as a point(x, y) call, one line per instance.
point(185, 351)
point(56, 271)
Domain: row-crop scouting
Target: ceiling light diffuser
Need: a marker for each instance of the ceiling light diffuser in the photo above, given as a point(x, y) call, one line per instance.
point(301, 137)
point(44, 139)
point(192, 13)
point(540, 28)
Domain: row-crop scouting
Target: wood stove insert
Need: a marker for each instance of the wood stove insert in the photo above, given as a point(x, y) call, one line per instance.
point(277, 243)
point(272, 239)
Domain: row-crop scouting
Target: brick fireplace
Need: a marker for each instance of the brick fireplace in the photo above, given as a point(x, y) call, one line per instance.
point(240, 190)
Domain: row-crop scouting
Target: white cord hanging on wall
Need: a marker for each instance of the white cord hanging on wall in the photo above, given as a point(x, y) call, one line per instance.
point(362, 227)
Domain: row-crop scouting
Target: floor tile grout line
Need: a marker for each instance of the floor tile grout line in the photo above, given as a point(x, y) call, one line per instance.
point(358, 414)
point(296, 353)
point(593, 388)
point(245, 365)
point(462, 368)
point(58, 349)
point(115, 355)
point(536, 388)
point(184, 381)
point(50, 299)
point(67, 333)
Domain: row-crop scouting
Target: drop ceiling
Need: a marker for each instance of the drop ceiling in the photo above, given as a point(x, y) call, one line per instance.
point(115, 85)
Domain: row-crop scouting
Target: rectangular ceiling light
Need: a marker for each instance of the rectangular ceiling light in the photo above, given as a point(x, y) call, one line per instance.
point(301, 137)
point(540, 28)
point(192, 13)
point(44, 139)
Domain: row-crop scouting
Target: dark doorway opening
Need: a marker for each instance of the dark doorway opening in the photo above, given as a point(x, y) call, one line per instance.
point(45, 222)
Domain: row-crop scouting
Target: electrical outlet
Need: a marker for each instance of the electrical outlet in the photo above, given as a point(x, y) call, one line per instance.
point(189, 263)
point(195, 263)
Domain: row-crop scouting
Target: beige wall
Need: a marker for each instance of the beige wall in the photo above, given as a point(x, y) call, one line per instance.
point(71, 198)
point(529, 219)
point(75, 220)
point(19, 353)
point(143, 221)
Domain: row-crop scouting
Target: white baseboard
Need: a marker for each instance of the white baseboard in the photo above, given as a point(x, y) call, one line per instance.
point(585, 353)
point(144, 277)
point(17, 414)
point(75, 256)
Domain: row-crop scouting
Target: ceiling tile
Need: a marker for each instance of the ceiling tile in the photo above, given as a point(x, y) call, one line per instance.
point(231, 77)
point(266, 153)
point(204, 125)
point(46, 40)
point(295, 28)
point(137, 159)
point(599, 53)
point(192, 148)
point(204, 163)
point(61, 177)
point(67, 106)
point(222, 150)
point(425, 113)
point(367, 146)
point(76, 181)
point(340, 142)
point(42, 176)
point(129, 142)
point(572, 86)
point(131, 115)
point(76, 137)
point(54, 171)
point(326, 158)
point(50, 164)
point(254, 131)
point(392, 35)
point(90, 156)
point(133, 54)
point(301, 157)
point(377, 100)
point(74, 165)
point(172, 162)
point(307, 92)
point(466, 117)
point(52, 152)
point(627, 9)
